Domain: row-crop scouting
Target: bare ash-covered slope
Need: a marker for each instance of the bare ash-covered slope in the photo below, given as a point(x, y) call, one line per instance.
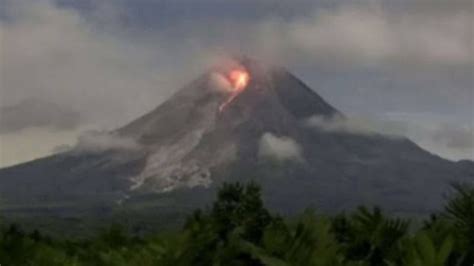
point(208, 133)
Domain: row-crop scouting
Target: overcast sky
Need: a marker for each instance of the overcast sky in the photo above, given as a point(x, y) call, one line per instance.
point(68, 66)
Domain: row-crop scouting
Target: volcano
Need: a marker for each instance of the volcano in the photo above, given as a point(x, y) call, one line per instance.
point(207, 134)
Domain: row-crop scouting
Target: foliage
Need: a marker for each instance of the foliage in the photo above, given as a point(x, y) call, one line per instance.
point(238, 230)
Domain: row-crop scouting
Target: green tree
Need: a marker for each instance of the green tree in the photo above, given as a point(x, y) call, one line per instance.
point(211, 235)
point(422, 251)
point(240, 206)
point(370, 236)
point(237, 230)
point(460, 211)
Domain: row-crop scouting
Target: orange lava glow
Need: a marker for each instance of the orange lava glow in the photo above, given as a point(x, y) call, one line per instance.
point(239, 79)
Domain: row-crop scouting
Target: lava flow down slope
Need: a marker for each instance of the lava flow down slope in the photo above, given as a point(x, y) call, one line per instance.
point(243, 122)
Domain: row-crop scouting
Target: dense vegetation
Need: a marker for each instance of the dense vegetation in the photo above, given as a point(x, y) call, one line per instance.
point(238, 230)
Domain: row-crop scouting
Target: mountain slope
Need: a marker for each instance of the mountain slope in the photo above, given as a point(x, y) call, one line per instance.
point(208, 133)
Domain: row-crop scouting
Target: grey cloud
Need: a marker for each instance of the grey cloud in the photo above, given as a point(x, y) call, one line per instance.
point(454, 143)
point(33, 143)
point(438, 134)
point(455, 137)
point(356, 125)
point(61, 148)
point(370, 35)
point(37, 113)
point(339, 124)
point(51, 52)
point(97, 141)
point(450, 140)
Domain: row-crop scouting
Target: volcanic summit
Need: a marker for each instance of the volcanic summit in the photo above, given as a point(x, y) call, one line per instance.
point(248, 121)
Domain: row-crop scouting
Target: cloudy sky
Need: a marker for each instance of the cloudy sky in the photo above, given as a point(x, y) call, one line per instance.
point(66, 66)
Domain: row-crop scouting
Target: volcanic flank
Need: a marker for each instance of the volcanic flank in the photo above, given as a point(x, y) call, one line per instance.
point(207, 127)
point(238, 123)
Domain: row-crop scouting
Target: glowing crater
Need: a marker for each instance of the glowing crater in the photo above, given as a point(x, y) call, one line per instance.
point(239, 79)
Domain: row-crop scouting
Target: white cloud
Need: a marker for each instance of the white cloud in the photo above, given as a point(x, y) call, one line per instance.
point(279, 148)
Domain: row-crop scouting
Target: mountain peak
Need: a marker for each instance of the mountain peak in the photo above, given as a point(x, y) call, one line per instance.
point(238, 121)
point(276, 81)
point(243, 88)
